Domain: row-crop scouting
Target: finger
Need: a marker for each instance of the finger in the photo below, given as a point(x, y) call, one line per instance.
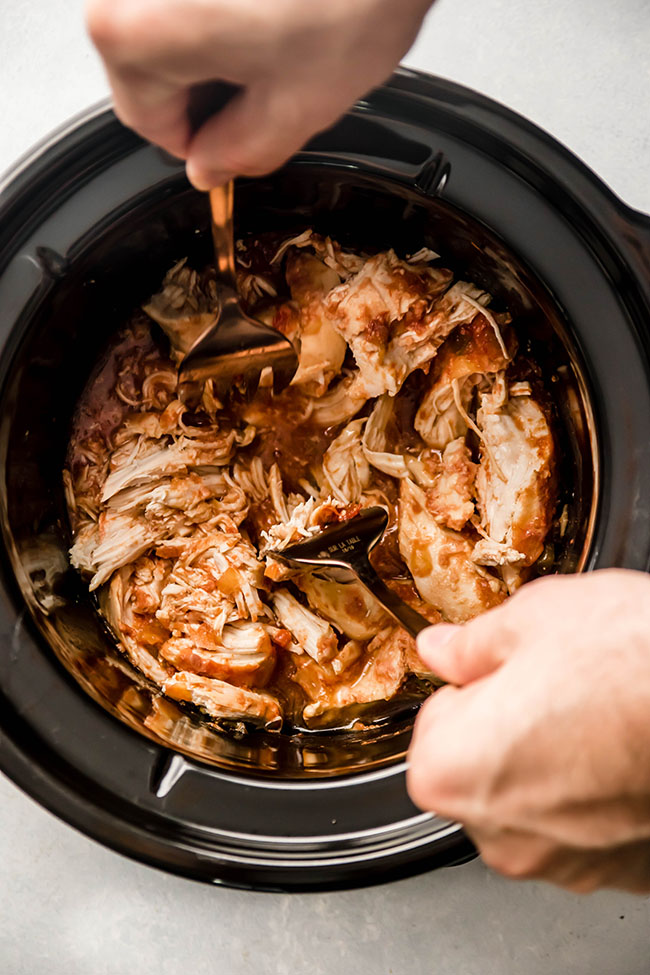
point(254, 134)
point(155, 109)
point(461, 654)
point(443, 762)
point(523, 855)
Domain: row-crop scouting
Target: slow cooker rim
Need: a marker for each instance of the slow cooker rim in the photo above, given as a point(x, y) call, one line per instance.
point(140, 843)
point(398, 83)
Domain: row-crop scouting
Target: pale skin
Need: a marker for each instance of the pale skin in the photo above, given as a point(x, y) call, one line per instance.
point(300, 64)
point(540, 745)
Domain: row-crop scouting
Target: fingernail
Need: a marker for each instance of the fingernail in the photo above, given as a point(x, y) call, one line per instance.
point(435, 637)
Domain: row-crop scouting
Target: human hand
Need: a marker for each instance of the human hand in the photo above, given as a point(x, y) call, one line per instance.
point(300, 65)
point(542, 749)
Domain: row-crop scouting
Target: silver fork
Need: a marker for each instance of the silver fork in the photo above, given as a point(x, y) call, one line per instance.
point(341, 552)
point(236, 348)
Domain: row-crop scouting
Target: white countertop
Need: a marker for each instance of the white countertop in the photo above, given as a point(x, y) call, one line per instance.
point(69, 907)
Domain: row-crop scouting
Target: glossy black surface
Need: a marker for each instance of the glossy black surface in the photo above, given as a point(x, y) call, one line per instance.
point(86, 230)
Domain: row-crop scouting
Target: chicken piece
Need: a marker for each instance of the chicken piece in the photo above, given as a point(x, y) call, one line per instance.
point(473, 351)
point(223, 701)
point(215, 581)
point(515, 483)
point(147, 582)
point(322, 349)
point(375, 442)
point(450, 498)
point(298, 520)
point(148, 425)
point(246, 657)
point(111, 543)
point(330, 253)
point(341, 402)
point(143, 461)
point(440, 561)
point(314, 635)
point(182, 493)
point(192, 605)
point(139, 635)
point(253, 287)
point(284, 317)
point(384, 313)
point(185, 308)
point(345, 467)
point(349, 653)
point(379, 679)
point(348, 605)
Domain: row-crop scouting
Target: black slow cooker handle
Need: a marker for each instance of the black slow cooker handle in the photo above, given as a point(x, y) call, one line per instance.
point(381, 150)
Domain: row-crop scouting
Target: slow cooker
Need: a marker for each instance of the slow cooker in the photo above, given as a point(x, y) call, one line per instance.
point(89, 223)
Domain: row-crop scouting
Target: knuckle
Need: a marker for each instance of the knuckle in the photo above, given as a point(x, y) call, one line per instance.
point(254, 160)
point(125, 32)
point(515, 866)
point(431, 781)
point(418, 787)
point(100, 21)
point(585, 884)
point(106, 24)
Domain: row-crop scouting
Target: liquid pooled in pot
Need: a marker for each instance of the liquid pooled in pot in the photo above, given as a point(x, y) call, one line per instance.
point(409, 394)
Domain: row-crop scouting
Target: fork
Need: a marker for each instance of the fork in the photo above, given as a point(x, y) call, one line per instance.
point(340, 553)
point(236, 349)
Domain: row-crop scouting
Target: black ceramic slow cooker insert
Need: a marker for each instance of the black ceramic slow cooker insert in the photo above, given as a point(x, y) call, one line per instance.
point(89, 223)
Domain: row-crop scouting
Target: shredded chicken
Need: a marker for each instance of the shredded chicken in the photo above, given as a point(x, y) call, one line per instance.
point(342, 402)
point(440, 561)
point(450, 498)
point(515, 484)
point(177, 514)
point(472, 353)
point(185, 308)
point(322, 349)
point(345, 465)
point(386, 314)
point(379, 679)
point(220, 699)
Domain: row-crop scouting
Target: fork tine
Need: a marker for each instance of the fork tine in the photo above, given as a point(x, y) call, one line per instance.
point(237, 348)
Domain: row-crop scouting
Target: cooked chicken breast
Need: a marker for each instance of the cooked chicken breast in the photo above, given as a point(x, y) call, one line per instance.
point(384, 314)
point(222, 700)
point(474, 350)
point(515, 482)
point(348, 605)
point(185, 308)
point(379, 679)
point(440, 561)
point(450, 498)
point(322, 349)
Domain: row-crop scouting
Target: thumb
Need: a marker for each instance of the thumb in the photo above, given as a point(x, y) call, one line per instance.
point(255, 133)
point(461, 654)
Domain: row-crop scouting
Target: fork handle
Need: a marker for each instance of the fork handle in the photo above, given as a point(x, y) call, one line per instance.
point(412, 621)
point(221, 207)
